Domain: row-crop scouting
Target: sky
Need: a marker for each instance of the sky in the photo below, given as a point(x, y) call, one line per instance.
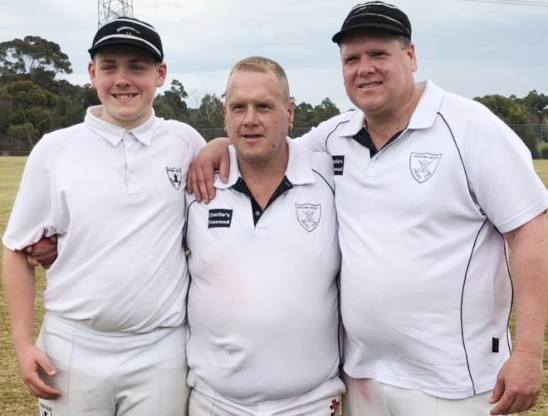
point(472, 48)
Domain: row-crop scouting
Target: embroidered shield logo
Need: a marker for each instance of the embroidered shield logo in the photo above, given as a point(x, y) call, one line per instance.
point(175, 177)
point(45, 410)
point(423, 165)
point(309, 215)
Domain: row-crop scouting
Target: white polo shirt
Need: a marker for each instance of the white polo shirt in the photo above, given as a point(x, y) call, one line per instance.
point(262, 304)
point(116, 199)
point(425, 289)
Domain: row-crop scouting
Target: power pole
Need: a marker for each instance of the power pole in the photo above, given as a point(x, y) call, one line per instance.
point(110, 9)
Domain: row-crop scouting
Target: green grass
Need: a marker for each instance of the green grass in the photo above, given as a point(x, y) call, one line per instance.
point(14, 399)
point(541, 166)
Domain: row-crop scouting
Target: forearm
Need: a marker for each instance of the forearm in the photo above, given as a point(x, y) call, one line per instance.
point(529, 268)
point(212, 157)
point(19, 290)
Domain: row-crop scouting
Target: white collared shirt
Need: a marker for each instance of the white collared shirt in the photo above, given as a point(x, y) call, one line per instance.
point(116, 199)
point(262, 305)
point(425, 290)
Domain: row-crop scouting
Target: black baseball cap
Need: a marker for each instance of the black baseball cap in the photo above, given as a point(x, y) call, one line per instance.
point(128, 31)
point(376, 16)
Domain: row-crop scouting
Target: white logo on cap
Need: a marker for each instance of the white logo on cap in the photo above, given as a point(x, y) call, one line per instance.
point(127, 29)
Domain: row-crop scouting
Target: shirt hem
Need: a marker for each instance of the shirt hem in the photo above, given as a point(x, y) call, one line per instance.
point(402, 382)
point(10, 244)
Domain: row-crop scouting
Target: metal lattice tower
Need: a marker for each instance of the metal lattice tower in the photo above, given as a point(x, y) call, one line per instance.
point(110, 9)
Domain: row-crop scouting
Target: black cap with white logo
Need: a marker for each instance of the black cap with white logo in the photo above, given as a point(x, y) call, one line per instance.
point(128, 31)
point(375, 16)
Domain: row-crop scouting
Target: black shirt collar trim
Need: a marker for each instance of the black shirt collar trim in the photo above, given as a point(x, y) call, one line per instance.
point(240, 186)
point(364, 138)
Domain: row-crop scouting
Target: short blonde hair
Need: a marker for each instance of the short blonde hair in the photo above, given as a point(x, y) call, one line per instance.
point(264, 65)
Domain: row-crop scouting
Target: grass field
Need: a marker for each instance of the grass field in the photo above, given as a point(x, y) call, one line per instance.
point(14, 399)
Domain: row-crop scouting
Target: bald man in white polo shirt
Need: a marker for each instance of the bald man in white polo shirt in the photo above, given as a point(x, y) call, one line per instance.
point(264, 257)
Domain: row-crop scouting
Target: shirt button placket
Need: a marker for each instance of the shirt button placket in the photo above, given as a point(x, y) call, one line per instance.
point(129, 145)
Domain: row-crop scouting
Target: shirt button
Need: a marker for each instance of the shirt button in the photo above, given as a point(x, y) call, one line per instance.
point(257, 213)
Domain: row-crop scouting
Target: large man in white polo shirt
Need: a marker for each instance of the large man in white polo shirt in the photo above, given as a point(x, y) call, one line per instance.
point(442, 183)
point(429, 188)
point(112, 340)
point(262, 304)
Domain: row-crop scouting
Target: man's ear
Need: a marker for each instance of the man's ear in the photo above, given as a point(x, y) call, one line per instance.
point(291, 112)
point(412, 56)
point(162, 74)
point(92, 73)
point(225, 113)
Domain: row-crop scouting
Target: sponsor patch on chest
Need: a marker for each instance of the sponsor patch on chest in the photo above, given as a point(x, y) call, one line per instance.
point(423, 165)
point(219, 218)
point(309, 215)
point(338, 164)
point(175, 176)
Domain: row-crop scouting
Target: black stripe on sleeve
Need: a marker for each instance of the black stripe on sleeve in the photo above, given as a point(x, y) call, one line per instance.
point(185, 228)
point(333, 131)
point(325, 180)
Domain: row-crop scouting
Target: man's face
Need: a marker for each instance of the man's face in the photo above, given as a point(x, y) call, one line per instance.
point(378, 73)
point(126, 80)
point(257, 116)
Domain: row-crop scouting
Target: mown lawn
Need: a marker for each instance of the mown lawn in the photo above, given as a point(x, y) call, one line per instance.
point(14, 400)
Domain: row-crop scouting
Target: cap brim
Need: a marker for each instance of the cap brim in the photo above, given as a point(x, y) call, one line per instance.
point(365, 27)
point(133, 42)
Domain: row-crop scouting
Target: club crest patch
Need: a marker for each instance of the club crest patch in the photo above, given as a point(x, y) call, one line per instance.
point(309, 215)
point(175, 177)
point(423, 165)
point(45, 410)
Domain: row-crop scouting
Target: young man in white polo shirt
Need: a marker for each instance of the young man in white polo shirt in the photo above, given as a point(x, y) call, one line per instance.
point(262, 304)
point(112, 190)
point(429, 188)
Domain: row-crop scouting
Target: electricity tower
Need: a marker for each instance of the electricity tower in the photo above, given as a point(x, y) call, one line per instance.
point(110, 9)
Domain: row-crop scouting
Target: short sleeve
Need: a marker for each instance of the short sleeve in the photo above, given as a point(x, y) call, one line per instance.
point(314, 139)
point(197, 142)
point(346, 125)
point(32, 214)
point(501, 173)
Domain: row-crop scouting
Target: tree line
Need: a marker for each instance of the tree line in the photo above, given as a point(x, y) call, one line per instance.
point(35, 100)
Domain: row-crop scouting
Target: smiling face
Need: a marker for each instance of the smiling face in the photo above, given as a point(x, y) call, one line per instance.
point(126, 79)
point(378, 72)
point(257, 116)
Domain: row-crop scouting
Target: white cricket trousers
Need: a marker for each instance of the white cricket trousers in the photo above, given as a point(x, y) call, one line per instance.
point(113, 373)
point(367, 397)
point(324, 400)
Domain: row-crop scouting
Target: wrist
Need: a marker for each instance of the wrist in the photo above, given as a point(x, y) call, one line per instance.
point(533, 352)
point(22, 340)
